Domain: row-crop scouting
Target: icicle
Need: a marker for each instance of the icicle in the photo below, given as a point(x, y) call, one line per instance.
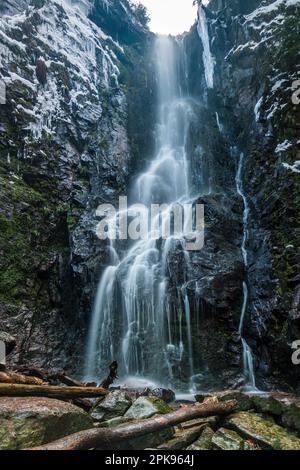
point(208, 60)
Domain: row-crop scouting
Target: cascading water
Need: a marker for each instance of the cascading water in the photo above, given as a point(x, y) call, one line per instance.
point(141, 318)
point(247, 353)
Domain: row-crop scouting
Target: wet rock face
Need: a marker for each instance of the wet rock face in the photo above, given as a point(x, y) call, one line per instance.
point(163, 394)
point(11, 7)
point(64, 150)
point(215, 293)
point(70, 138)
point(30, 422)
point(118, 20)
point(253, 90)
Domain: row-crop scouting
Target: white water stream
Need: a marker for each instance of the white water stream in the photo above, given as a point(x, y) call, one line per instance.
point(247, 353)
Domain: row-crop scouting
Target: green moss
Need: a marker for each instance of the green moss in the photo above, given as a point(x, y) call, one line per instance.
point(161, 406)
point(226, 439)
point(267, 404)
point(265, 433)
point(28, 237)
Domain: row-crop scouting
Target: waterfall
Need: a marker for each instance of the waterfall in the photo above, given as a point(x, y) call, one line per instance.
point(247, 353)
point(208, 59)
point(139, 318)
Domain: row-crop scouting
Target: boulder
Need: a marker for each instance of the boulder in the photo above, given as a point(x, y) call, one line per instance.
point(114, 405)
point(282, 405)
point(267, 434)
point(244, 400)
point(9, 341)
point(266, 403)
point(30, 422)
point(291, 417)
point(164, 394)
point(200, 397)
point(212, 421)
point(143, 408)
point(204, 442)
point(152, 440)
point(146, 407)
point(183, 438)
point(226, 439)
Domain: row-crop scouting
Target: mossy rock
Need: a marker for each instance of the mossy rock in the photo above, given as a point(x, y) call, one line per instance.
point(183, 438)
point(204, 442)
point(291, 418)
point(114, 405)
point(267, 434)
point(152, 440)
point(244, 401)
point(146, 407)
point(267, 404)
point(226, 439)
point(31, 422)
point(282, 405)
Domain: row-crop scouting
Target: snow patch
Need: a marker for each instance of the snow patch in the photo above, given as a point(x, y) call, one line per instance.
point(278, 85)
point(295, 168)
point(283, 147)
point(273, 7)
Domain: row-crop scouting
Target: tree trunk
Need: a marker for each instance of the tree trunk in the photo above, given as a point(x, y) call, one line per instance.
point(12, 390)
point(95, 438)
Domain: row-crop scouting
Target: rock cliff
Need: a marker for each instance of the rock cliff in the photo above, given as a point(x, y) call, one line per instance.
point(74, 132)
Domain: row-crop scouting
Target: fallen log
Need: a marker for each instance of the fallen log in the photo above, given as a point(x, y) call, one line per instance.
point(33, 372)
point(50, 391)
point(97, 438)
point(66, 380)
point(17, 378)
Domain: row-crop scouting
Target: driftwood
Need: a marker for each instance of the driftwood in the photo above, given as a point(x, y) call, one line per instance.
point(97, 438)
point(113, 375)
point(66, 380)
point(50, 391)
point(17, 378)
point(34, 372)
point(54, 378)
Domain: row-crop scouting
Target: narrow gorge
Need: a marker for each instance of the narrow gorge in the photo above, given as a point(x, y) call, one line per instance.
point(95, 107)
